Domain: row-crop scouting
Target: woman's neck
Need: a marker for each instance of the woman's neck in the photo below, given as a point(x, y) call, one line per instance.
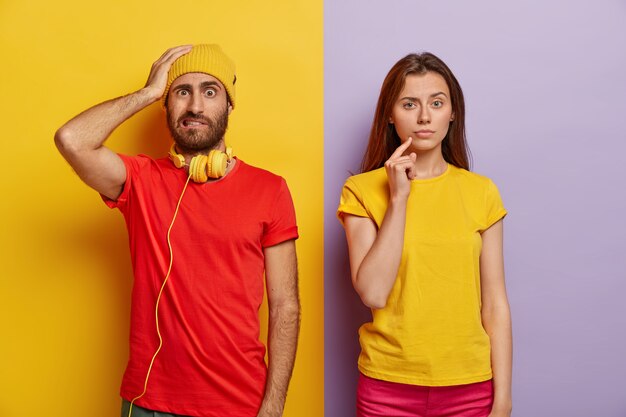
point(429, 164)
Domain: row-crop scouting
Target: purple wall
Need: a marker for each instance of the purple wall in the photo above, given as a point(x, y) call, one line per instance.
point(546, 99)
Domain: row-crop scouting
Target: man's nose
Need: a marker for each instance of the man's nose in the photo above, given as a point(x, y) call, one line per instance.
point(196, 104)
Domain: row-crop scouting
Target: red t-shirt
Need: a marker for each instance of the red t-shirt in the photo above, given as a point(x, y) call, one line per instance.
point(212, 362)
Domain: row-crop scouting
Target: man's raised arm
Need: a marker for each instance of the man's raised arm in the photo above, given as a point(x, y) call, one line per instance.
point(81, 140)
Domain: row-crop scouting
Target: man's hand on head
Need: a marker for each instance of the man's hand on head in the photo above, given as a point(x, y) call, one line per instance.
point(81, 139)
point(157, 80)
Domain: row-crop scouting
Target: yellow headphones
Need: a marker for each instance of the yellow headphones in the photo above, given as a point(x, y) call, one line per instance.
point(203, 167)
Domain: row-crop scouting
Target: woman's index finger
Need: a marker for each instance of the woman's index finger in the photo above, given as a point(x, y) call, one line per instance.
point(403, 147)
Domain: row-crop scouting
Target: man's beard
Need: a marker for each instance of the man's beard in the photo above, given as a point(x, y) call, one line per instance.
point(199, 139)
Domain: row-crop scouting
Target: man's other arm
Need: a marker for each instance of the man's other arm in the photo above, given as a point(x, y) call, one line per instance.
point(81, 140)
point(281, 274)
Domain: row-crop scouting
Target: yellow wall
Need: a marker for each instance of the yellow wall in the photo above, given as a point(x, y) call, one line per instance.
point(64, 288)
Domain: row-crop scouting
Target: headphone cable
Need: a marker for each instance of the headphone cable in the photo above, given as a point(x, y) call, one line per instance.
point(158, 300)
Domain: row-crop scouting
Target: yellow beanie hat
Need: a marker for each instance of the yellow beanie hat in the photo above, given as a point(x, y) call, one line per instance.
point(208, 59)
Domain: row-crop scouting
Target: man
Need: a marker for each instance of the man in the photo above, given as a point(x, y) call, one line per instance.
point(203, 229)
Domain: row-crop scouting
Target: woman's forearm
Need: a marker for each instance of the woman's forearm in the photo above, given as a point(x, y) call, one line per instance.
point(378, 270)
point(497, 323)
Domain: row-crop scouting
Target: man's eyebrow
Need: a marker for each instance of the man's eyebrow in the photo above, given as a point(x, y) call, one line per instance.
point(181, 86)
point(431, 96)
point(210, 84)
point(204, 84)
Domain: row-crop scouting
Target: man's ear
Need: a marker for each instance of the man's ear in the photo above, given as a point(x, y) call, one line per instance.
point(230, 108)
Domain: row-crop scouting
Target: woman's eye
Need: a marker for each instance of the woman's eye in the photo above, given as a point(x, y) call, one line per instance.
point(437, 103)
point(409, 105)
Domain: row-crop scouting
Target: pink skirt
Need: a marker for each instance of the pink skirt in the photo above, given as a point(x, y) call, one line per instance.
point(376, 398)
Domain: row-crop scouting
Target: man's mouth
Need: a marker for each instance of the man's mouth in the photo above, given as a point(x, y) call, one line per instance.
point(193, 123)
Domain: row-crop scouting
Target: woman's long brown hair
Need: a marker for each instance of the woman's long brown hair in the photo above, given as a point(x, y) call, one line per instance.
point(383, 138)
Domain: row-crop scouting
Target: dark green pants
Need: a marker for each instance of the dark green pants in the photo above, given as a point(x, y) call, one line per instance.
point(142, 412)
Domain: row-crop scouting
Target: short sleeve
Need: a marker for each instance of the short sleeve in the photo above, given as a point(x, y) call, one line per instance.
point(282, 224)
point(131, 167)
point(494, 209)
point(351, 201)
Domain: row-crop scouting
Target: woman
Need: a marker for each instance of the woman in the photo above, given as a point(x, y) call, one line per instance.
point(425, 243)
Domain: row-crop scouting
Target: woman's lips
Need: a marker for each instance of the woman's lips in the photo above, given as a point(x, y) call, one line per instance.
point(423, 133)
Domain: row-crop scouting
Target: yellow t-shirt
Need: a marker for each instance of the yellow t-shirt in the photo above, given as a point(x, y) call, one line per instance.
point(430, 332)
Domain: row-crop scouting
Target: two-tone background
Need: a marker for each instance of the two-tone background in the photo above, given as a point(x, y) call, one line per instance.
point(546, 107)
